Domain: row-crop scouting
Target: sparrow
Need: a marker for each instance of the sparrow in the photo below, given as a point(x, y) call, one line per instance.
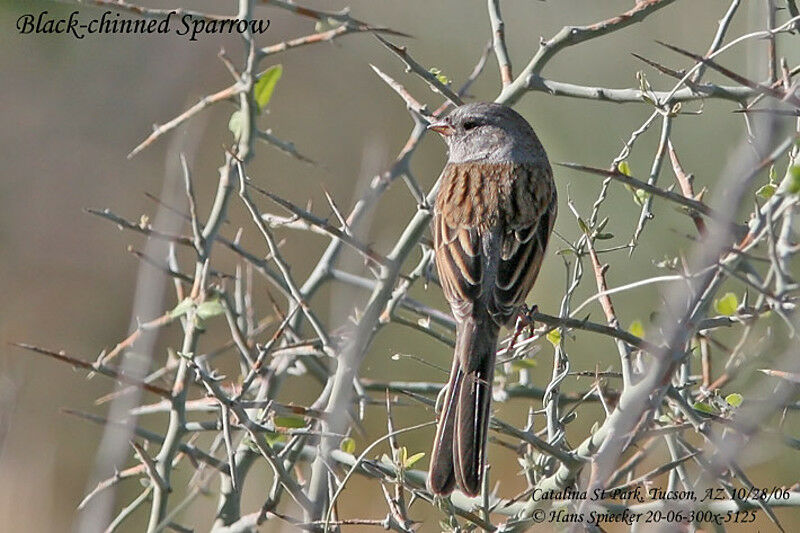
point(493, 216)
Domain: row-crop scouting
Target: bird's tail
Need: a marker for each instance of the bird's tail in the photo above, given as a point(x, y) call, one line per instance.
point(459, 448)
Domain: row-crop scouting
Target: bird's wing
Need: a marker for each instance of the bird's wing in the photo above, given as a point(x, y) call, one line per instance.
point(466, 203)
point(522, 249)
point(474, 209)
point(459, 264)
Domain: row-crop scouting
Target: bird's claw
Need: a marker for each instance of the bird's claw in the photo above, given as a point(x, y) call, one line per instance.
point(524, 318)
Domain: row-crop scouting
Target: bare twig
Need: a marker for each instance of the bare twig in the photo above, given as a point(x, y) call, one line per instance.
point(413, 66)
point(98, 367)
point(499, 38)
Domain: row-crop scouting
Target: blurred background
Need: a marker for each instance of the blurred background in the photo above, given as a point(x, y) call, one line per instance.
point(73, 109)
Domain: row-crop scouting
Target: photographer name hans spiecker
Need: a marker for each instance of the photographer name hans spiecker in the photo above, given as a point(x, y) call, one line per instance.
point(113, 23)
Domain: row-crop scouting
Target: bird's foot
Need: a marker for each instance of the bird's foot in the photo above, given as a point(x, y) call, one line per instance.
point(524, 319)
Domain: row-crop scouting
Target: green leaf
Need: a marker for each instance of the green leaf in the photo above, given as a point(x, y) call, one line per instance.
point(182, 308)
point(624, 168)
point(582, 224)
point(445, 526)
point(272, 439)
point(727, 305)
point(766, 191)
point(348, 445)
point(554, 337)
point(694, 346)
point(604, 236)
point(439, 76)
point(327, 24)
point(636, 329)
point(668, 263)
point(794, 182)
point(289, 422)
point(644, 85)
point(703, 408)
point(413, 459)
point(235, 124)
point(263, 88)
point(640, 196)
point(209, 309)
point(734, 399)
point(523, 364)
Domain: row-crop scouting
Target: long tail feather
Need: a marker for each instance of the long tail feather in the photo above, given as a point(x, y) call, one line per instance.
point(472, 424)
point(458, 453)
point(441, 478)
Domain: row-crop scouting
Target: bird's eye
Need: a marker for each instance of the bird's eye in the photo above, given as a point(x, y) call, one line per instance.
point(470, 124)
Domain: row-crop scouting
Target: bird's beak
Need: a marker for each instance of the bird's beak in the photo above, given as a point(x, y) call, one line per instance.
point(442, 127)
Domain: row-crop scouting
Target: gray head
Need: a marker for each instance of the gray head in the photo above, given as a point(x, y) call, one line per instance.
point(491, 132)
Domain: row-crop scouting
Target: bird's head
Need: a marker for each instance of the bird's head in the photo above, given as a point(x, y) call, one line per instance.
point(489, 132)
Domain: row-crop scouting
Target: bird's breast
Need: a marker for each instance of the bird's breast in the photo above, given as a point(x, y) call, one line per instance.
point(482, 194)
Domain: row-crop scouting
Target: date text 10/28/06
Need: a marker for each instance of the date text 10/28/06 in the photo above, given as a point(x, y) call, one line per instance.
point(638, 494)
point(113, 23)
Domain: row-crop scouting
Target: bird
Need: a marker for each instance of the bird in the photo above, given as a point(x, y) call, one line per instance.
point(493, 216)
